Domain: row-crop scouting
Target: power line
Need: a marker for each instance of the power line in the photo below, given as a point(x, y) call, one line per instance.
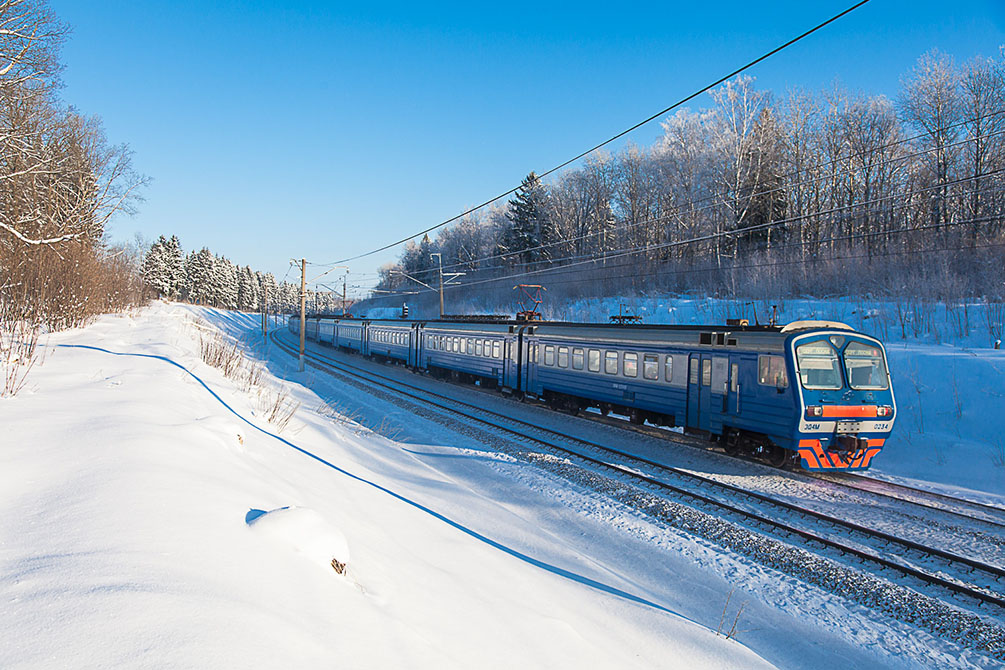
point(729, 233)
point(709, 201)
point(766, 264)
point(617, 136)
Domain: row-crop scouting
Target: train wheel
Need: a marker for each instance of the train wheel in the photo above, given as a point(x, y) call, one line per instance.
point(778, 457)
point(731, 443)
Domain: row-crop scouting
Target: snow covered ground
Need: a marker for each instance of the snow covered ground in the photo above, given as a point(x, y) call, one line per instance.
point(153, 518)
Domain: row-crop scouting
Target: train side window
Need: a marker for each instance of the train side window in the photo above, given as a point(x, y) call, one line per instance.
point(479, 348)
point(577, 359)
point(651, 366)
point(611, 362)
point(680, 366)
point(720, 374)
point(771, 371)
point(706, 372)
point(593, 360)
point(631, 364)
point(668, 368)
point(563, 357)
point(549, 354)
point(497, 350)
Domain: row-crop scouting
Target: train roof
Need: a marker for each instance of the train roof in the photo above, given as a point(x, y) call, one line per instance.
point(757, 338)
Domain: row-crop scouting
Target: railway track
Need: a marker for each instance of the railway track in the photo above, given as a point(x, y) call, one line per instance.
point(962, 508)
point(971, 581)
point(969, 509)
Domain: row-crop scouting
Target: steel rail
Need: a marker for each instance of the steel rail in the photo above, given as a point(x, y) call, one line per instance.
point(868, 482)
point(836, 478)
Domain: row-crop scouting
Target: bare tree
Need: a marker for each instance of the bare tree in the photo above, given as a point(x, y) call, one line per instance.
point(930, 101)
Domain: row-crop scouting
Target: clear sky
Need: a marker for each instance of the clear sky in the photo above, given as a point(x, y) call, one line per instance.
point(289, 128)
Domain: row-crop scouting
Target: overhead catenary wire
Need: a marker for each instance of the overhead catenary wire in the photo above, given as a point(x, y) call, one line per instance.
point(766, 264)
point(730, 233)
point(708, 202)
point(619, 135)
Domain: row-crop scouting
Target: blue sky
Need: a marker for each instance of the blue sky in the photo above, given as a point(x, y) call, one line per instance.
point(289, 129)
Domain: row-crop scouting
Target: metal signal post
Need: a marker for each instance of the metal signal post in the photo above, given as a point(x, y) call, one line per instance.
point(303, 308)
point(450, 275)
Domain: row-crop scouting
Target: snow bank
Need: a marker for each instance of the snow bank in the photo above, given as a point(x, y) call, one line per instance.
point(303, 529)
point(126, 484)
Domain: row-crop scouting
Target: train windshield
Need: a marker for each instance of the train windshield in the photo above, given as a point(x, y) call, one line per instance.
point(819, 367)
point(865, 366)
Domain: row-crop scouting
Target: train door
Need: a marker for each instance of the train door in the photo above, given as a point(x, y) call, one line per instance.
point(731, 400)
point(510, 380)
point(414, 345)
point(693, 390)
point(707, 402)
point(719, 392)
point(699, 392)
point(529, 356)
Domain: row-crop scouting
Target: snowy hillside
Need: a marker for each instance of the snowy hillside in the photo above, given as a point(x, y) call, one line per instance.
point(128, 486)
point(154, 518)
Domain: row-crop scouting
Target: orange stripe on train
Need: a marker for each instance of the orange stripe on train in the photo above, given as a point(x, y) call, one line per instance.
point(813, 453)
point(808, 456)
point(849, 411)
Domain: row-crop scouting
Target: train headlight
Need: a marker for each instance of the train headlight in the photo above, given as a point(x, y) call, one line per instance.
point(884, 410)
point(814, 411)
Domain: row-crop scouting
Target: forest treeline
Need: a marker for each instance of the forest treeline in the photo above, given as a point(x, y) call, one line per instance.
point(761, 195)
point(203, 278)
point(60, 182)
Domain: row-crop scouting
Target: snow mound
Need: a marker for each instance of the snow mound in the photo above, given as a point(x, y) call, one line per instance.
point(303, 529)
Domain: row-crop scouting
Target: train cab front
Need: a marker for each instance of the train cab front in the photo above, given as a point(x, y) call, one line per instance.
point(846, 398)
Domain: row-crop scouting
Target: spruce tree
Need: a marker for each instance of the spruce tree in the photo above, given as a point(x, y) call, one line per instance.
point(530, 227)
point(175, 265)
point(155, 268)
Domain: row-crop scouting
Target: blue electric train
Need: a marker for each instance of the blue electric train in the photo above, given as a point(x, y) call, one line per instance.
point(814, 393)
